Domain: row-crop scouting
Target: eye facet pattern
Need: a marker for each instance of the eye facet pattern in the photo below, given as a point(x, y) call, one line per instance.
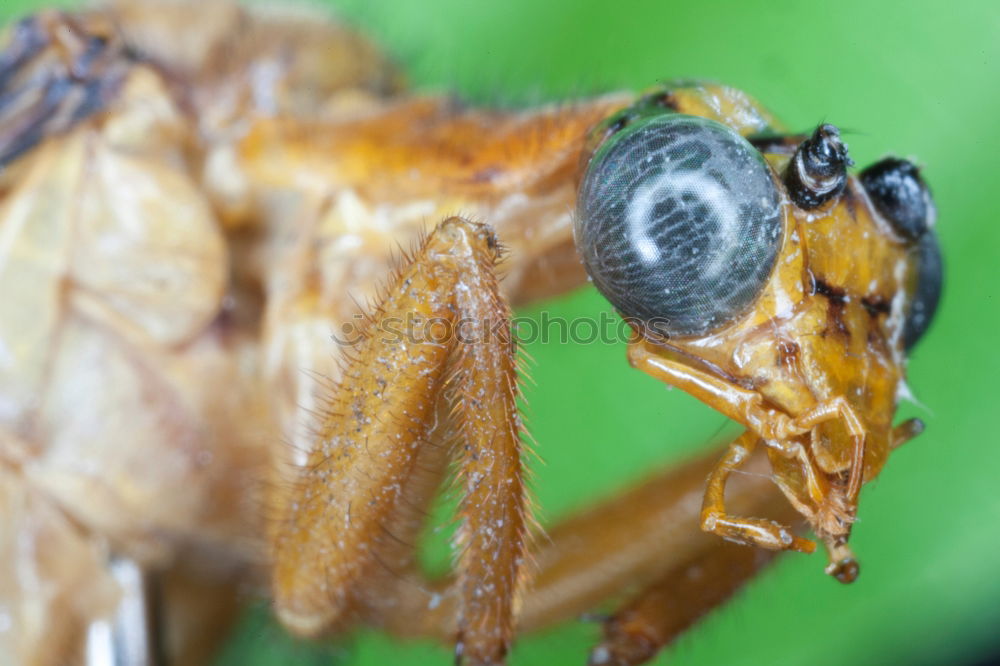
point(898, 192)
point(924, 300)
point(679, 223)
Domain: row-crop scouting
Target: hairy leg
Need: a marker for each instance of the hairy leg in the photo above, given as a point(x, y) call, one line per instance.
point(440, 336)
point(643, 546)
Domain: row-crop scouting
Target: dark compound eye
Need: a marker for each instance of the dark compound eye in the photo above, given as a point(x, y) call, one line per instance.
point(924, 299)
point(896, 189)
point(679, 223)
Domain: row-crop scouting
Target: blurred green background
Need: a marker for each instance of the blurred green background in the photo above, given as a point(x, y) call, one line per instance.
point(918, 79)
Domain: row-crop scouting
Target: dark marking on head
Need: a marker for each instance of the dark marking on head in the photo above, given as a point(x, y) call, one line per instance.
point(837, 299)
point(877, 340)
point(664, 99)
point(875, 305)
point(617, 124)
point(788, 354)
point(777, 144)
point(828, 291)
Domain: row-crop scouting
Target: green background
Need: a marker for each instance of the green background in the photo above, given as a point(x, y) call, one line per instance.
point(919, 79)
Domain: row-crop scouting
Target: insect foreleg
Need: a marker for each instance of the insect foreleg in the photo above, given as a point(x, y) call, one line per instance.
point(433, 341)
point(751, 531)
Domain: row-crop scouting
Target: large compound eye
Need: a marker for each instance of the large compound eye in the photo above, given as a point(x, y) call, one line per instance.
point(923, 301)
point(896, 189)
point(679, 223)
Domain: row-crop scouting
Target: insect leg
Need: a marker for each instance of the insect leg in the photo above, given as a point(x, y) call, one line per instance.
point(753, 531)
point(493, 533)
point(442, 329)
point(827, 411)
point(366, 445)
point(740, 404)
point(833, 513)
point(905, 431)
point(664, 610)
point(645, 538)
